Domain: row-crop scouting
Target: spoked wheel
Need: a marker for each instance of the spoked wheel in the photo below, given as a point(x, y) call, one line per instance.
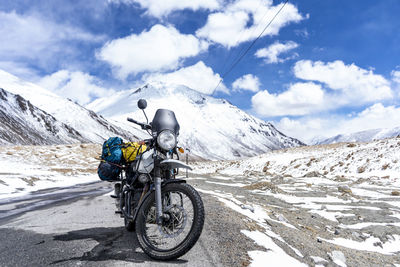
point(182, 228)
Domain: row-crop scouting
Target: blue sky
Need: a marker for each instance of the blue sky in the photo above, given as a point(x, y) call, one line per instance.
point(322, 68)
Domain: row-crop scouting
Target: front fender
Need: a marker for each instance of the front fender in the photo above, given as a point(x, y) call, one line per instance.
point(172, 181)
point(174, 164)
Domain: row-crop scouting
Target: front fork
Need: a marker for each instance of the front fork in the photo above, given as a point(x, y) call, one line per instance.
point(160, 215)
point(159, 210)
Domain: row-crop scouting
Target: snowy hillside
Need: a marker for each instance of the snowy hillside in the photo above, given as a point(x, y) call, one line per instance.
point(363, 136)
point(22, 123)
point(30, 168)
point(377, 159)
point(211, 128)
point(91, 126)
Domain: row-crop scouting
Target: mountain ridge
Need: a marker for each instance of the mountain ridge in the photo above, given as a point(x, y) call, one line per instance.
point(210, 127)
point(361, 136)
point(91, 126)
point(24, 124)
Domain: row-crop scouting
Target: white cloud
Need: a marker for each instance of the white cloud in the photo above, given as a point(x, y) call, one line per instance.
point(231, 26)
point(342, 86)
point(162, 8)
point(300, 99)
point(247, 82)
point(302, 33)
point(374, 117)
point(271, 53)
point(159, 49)
point(353, 85)
point(19, 69)
point(395, 76)
point(198, 77)
point(396, 81)
point(29, 37)
point(78, 86)
point(304, 129)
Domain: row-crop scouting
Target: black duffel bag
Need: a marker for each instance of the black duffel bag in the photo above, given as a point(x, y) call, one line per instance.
point(108, 171)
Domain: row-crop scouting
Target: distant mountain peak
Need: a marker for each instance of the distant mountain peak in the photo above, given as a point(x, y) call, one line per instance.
point(361, 136)
point(211, 127)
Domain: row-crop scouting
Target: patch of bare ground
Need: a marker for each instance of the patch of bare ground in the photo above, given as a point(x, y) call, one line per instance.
point(30, 181)
point(395, 193)
point(225, 225)
point(263, 186)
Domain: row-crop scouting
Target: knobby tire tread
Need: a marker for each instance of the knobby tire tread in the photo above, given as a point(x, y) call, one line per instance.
point(192, 237)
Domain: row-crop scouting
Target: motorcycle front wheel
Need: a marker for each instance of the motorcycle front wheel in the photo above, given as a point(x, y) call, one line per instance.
point(176, 235)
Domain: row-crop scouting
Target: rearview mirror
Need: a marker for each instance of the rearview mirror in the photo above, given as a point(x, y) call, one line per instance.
point(142, 104)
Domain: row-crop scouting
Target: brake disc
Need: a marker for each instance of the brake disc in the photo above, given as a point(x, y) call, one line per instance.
point(176, 223)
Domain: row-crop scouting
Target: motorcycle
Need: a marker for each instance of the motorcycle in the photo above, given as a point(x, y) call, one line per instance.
point(166, 213)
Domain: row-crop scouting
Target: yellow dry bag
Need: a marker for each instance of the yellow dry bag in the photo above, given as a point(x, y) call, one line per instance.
point(131, 150)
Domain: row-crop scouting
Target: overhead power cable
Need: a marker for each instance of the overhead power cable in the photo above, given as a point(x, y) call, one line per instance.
point(228, 57)
point(250, 46)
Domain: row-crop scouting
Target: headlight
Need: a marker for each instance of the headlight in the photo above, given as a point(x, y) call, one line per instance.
point(166, 140)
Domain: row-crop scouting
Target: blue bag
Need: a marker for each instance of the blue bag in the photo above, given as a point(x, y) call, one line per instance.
point(111, 156)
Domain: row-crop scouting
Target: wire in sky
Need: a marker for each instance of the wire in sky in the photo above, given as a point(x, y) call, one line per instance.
point(250, 46)
point(227, 58)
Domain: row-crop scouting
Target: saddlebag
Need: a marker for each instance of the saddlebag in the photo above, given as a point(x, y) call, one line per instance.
point(108, 171)
point(111, 155)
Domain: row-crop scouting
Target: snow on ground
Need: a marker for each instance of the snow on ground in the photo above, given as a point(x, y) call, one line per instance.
point(338, 258)
point(348, 194)
point(25, 169)
point(369, 244)
point(275, 255)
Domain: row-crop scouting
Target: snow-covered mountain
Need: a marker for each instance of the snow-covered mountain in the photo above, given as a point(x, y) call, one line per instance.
point(363, 136)
point(24, 124)
point(211, 128)
point(375, 161)
point(92, 127)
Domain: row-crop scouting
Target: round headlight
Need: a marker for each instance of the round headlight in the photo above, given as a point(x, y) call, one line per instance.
point(166, 140)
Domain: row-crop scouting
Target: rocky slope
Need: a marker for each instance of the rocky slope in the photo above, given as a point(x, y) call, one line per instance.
point(22, 123)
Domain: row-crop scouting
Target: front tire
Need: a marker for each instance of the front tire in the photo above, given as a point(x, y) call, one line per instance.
point(184, 226)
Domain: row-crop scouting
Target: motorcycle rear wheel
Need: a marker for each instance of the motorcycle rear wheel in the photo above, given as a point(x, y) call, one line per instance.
point(185, 208)
point(129, 225)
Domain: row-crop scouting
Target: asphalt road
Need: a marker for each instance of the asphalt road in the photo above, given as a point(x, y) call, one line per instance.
point(77, 226)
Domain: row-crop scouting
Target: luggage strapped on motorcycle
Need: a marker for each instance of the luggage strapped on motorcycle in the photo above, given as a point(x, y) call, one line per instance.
point(115, 154)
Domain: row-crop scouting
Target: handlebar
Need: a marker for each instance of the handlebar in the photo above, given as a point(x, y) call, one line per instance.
point(132, 120)
point(144, 126)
